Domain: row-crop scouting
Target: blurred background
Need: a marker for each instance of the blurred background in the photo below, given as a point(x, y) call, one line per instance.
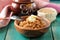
point(54, 0)
point(3, 3)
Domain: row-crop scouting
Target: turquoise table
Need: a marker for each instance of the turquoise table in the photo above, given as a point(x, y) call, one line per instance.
point(10, 33)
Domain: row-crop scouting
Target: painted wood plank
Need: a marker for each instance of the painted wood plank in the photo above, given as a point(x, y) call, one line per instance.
point(46, 36)
point(3, 32)
point(14, 35)
point(57, 2)
point(54, 0)
point(56, 28)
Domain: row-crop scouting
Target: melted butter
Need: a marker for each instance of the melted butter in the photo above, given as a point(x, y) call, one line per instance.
point(32, 18)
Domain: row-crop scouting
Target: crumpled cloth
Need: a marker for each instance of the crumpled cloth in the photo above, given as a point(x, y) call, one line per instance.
point(6, 12)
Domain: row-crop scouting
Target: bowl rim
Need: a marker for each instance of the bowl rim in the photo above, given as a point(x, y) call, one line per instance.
point(47, 25)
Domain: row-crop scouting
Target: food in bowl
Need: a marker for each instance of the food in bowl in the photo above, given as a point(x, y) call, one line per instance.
point(49, 13)
point(32, 26)
point(32, 22)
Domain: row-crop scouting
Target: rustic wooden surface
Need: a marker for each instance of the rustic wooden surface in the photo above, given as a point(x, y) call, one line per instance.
point(3, 33)
point(10, 33)
point(56, 29)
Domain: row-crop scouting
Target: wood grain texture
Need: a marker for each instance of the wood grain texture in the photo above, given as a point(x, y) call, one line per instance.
point(14, 35)
point(56, 28)
point(3, 32)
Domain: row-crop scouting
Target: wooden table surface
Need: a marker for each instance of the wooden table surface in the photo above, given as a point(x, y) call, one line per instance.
point(10, 33)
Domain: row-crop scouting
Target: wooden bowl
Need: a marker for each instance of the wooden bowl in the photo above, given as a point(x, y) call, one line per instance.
point(32, 32)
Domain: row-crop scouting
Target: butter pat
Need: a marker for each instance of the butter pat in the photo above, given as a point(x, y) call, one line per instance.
point(31, 18)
